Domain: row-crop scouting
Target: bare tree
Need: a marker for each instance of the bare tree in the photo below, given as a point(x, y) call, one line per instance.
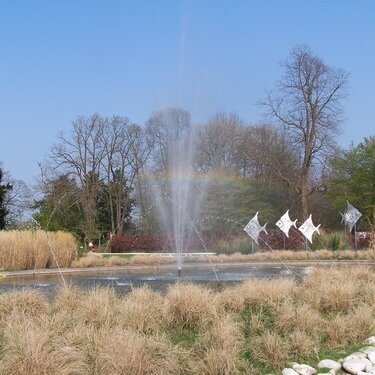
point(104, 156)
point(268, 155)
point(307, 104)
point(253, 152)
point(139, 154)
point(164, 129)
point(116, 148)
point(218, 143)
point(81, 155)
point(18, 201)
point(126, 151)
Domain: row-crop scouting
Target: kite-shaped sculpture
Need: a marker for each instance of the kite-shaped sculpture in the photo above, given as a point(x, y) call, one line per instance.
point(285, 223)
point(308, 228)
point(253, 228)
point(350, 216)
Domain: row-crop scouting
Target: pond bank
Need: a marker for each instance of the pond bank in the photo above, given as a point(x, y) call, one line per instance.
point(299, 263)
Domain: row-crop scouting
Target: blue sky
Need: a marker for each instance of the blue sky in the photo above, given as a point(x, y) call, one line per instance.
point(62, 59)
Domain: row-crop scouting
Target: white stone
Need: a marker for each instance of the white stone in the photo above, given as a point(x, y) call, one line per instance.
point(304, 369)
point(329, 363)
point(371, 357)
point(355, 355)
point(367, 349)
point(370, 369)
point(354, 366)
point(289, 371)
point(370, 340)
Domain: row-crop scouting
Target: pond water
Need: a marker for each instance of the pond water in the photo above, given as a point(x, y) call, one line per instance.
point(157, 278)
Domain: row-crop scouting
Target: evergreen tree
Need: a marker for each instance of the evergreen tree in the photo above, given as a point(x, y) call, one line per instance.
point(353, 179)
point(4, 188)
point(59, 209)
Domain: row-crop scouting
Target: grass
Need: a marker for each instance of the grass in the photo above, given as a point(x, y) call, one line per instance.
point(36, 249)
point(21, 250)
point(121, 256)
point(92, 260)
point(256, 327)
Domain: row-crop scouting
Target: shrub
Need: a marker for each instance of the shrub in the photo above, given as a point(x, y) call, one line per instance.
point(364, 240)
point(128, 243)
point(240, 244)
point(276, 238)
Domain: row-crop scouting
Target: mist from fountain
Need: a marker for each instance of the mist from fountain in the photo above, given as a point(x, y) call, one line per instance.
point(179, 193)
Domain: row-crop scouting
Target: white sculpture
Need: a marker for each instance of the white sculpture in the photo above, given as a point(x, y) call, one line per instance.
point(253, 228)
point(285, 223)
point(350, 216)
point(308, 228)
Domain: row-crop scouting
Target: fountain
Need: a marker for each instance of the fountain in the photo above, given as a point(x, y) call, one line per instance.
point(178, 191)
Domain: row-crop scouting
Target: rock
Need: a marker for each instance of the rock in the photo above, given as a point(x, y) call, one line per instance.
point(355, 355)
point(304, 369)
point(370, 340)
point(370, 369)
point(367, 349)
point(289, 371)
point(371, 357)
point(330, 364)
point(354, 366)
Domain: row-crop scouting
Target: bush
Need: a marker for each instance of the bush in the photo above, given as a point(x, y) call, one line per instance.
point(130, 243)
point(275, 239)
point(241, 244)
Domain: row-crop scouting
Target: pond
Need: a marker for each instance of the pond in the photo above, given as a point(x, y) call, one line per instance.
point(158, 278)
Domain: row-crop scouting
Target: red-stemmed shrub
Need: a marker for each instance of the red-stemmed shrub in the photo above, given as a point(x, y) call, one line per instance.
point(156, 243)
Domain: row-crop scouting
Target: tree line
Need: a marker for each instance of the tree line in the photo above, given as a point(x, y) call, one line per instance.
point(94, 180)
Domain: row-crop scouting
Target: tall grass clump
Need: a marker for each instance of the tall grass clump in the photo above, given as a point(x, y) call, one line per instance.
point(126, 352)
point(255, 327)
point(28, 303)
point(36, 249)
point(31, 349)
point(255, 291)
point(141, 310)
point(189, 306)
point(220, 347)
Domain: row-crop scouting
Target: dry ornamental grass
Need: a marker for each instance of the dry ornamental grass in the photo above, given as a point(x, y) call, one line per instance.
point(243, 329)
point(36, 249)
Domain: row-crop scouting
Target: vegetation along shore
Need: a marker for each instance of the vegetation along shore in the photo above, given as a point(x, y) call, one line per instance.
point(259, 326)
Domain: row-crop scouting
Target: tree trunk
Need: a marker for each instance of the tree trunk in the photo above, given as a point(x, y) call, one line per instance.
point(304, 196)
